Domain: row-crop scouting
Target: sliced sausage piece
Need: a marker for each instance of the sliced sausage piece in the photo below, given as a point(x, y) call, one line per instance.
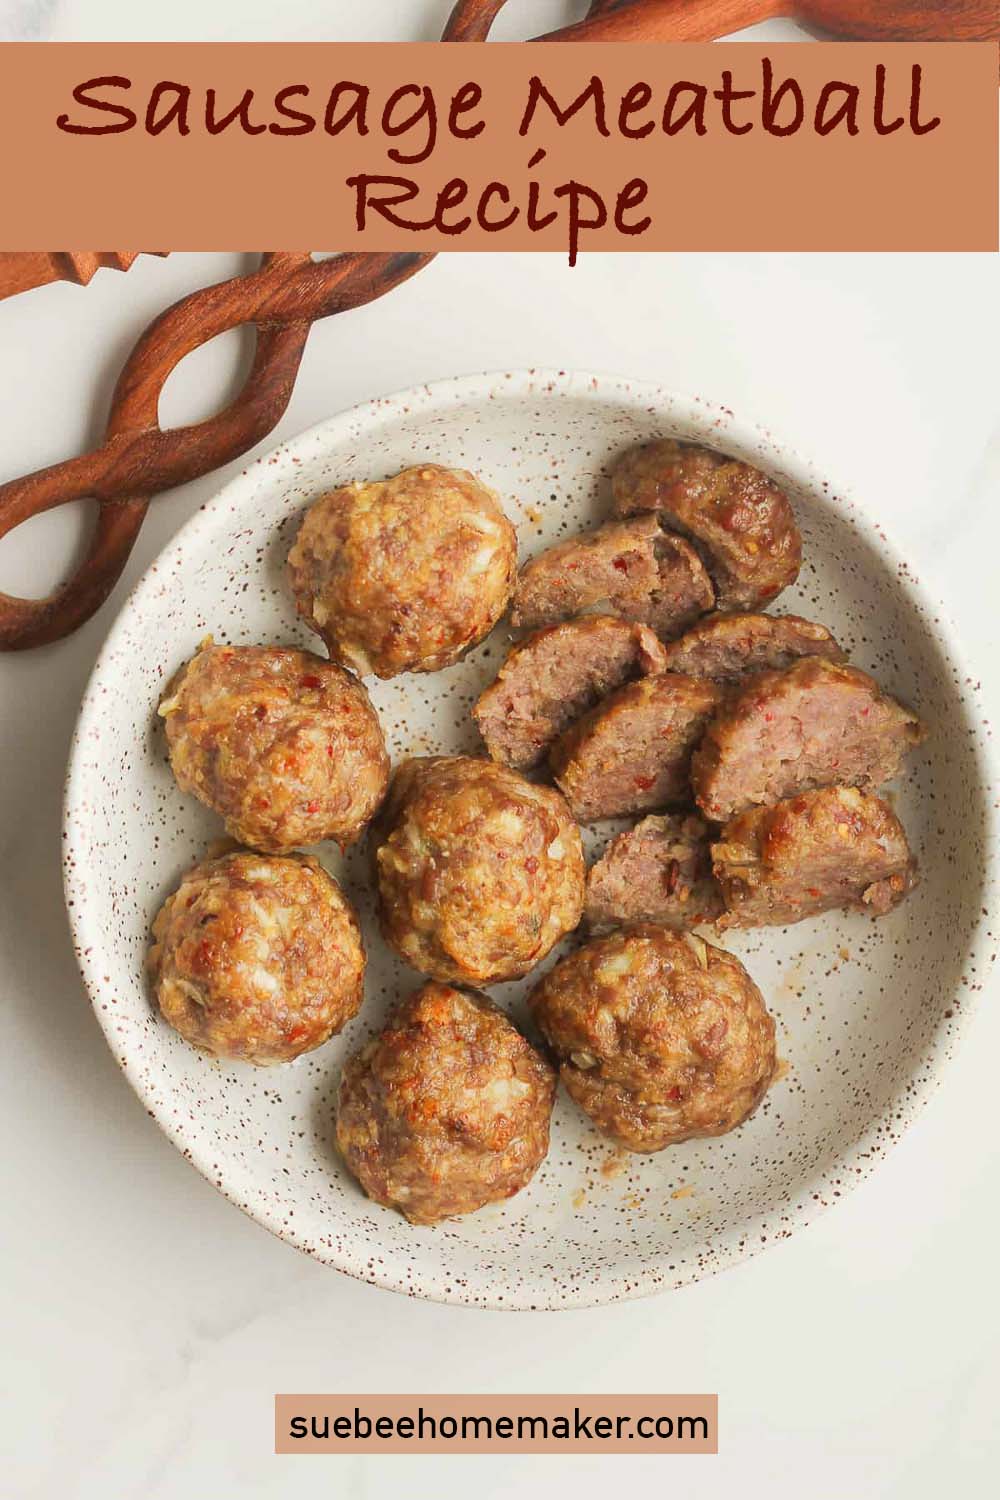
point(817, 724)
point(838, 847)
point(658, 871)
point(631, 568)
point(632, 753)
point(727, 647)
point(553, 677)
point(739, 519)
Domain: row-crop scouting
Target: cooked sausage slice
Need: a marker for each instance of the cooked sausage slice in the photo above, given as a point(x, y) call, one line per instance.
point(817, 724)
point(837, 847)
point(553, 677)
point(631, 568)
point(632, 752)
point(658, 871)
point(740, 520)
point(727, 647)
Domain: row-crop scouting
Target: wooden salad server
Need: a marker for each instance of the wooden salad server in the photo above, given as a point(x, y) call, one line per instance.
point(848, 20)
point(21, 270)
point(289, 291)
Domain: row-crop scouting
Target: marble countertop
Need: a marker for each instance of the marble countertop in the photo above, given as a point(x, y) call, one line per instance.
point(147, 1322)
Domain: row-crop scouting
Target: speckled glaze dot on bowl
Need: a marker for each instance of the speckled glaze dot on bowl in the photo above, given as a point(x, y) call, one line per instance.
point(867, 1011)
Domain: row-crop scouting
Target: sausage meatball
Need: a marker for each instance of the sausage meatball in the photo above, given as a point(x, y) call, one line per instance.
point(740, 520)
point(729, 647)
point(632, 568)
point(285, 746)
point(447, 1109)
point(480, 874)
point(404, 575)
point(833, 848)
point(660, 1036)
point(658, 871)
point(817, 724)
point(256, 958)
point(553, 677)
point(633, 751)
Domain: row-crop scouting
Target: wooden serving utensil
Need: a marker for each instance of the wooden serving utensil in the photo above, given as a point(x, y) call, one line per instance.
point(290, 291)
point(848, 20)
point(21, 270)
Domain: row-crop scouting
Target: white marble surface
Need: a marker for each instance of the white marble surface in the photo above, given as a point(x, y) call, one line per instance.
point(147, 1323)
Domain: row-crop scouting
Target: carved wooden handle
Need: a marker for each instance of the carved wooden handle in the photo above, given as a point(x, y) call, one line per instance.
point(290, 291)
point(854, 20)
point(22, 270)
point(138, 459)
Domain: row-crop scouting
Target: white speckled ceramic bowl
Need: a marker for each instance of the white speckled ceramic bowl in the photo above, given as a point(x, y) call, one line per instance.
point(868, 1011)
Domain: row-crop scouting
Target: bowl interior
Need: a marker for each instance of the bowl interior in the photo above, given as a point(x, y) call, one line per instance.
point(866, 1009)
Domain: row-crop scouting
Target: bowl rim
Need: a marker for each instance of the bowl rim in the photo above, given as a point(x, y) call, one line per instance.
point(701, 420)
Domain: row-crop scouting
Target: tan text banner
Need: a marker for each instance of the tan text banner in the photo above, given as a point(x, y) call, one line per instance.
point(496, 1424)
point(499, 146)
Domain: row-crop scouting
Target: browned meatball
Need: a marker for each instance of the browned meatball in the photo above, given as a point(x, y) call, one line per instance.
point(553, 677)
point(407, 574)
point(633, 751)
point(816, 724)
point(729, 647)
point(282, 744)
point(740, 520)
point(632, 568)
point(833, 848)
point(481, 873)
point(660, 1036)
point(257, 958)
point(447, 1109)
point(658, 871)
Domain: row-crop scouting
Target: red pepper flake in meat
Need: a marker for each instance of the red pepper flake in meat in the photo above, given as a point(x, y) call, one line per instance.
point(312, 807)
point(645, 783)
point(621, 563)
point(260, 712)
point(311, 682)
point(531, 864)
